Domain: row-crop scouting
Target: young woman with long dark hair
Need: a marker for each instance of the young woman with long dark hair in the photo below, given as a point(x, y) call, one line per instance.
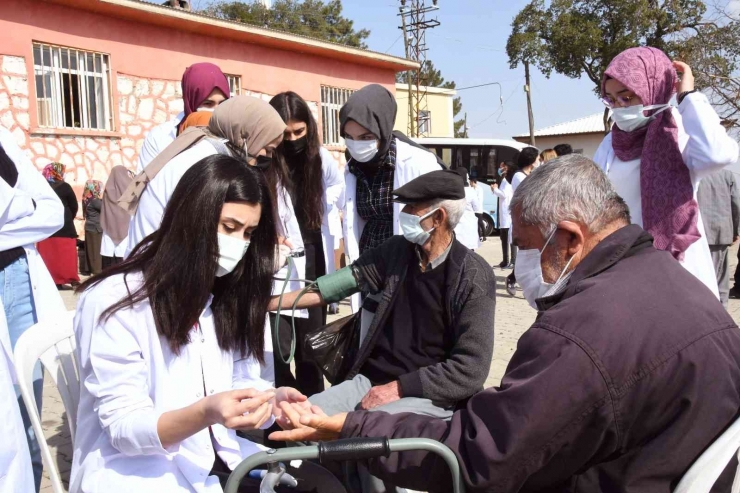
point(170, 342)
point(314, 184)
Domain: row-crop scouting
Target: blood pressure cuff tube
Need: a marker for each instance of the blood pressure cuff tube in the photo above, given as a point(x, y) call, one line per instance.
point(337, 286)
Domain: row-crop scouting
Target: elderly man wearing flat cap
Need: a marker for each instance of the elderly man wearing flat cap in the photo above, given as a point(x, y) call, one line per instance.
point(430, 342)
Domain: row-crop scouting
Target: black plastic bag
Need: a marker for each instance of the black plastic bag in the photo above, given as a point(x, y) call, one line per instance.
point(334, 347)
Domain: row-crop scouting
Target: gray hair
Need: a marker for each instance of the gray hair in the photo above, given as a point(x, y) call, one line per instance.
point(568, 188)
point(454, 208)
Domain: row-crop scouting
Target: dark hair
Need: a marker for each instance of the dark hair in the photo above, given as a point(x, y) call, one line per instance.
point(463, 174)
point(563, 149)
point(307, 179)
point(179, 261)
point(511, 170)
point(527, 157)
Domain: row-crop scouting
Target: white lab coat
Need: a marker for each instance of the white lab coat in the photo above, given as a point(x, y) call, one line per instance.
point(157, 140)
point(411, 162)
point(109, 249)
point(705, 147)
point(129, 377)
point(466, 230)
point(26, 225)
point(505, 192)
point(15, 460)
point(157, 193)
point(331, 225)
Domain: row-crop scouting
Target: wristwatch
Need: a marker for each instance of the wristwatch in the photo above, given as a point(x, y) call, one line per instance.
point(683, 95)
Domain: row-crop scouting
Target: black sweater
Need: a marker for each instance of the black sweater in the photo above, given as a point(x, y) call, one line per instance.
point(69, 201)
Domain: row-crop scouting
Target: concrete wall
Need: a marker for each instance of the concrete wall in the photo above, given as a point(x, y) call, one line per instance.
point(589, 143)
point(440, 106)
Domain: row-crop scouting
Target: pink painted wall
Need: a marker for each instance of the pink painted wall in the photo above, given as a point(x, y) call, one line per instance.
point(153, 52)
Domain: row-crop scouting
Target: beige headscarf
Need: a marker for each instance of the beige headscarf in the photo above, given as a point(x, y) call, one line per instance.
point(246, 122)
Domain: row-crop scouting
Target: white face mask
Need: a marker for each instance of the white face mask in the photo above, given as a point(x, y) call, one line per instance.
point(631, 118)
point(528, 272)
point(210, 110)
point(411, 227)
point(362, 150)
point(230, 251)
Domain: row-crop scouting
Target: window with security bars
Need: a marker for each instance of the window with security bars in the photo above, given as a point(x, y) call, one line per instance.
point(72, 88)
point(235, 84)
point(332, 100)
point(425, 123)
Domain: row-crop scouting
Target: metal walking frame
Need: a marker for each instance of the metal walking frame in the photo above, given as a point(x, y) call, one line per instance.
point(346, 450)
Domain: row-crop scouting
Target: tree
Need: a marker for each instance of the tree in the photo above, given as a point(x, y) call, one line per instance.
point(432, 77)
point(581, 37)
point(314, 18)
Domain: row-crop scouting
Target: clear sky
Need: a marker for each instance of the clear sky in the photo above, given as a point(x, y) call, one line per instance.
point(469, 47)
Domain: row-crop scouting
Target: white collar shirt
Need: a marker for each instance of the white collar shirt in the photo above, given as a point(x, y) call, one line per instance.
point(129, 378)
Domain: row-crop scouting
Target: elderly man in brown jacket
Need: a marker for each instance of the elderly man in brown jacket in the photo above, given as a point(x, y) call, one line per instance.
point(631, 370)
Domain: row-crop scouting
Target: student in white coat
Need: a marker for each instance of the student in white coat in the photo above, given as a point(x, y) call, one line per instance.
point(466, 230)
point(381, 162)
point(314, 183)
point(656, 154)
point(169, 343)
point(27, 290)
point(15, 459)
point(505, 192)
point(204, 87)
point(243, 126)
point(113, 219)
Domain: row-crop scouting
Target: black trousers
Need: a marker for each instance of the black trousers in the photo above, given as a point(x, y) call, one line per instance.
point(504, 234)
point(308, 378)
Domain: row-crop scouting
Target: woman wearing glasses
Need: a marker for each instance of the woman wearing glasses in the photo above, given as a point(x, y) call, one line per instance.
point(656, 154)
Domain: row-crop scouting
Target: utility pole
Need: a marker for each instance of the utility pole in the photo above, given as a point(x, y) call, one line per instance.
point(415, 35)
point(411, 127)
point(465, 126)
point(528, 90)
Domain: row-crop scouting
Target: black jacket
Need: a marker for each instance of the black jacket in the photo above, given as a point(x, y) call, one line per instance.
point(621, 383)
point(470, 297)
point(69, 201)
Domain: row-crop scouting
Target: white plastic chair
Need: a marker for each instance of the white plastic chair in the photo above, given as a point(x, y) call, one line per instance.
point(702, 475)
point(52, 342)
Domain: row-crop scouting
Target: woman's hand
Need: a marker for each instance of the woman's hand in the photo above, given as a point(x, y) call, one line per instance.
point(494, 187)
point(244, 409)
point(686, 82)
point(287, 395)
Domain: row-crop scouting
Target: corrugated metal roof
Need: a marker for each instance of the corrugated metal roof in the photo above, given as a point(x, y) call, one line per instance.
point(586, 125)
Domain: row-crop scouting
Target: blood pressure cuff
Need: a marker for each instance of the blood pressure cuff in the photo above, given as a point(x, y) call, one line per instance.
point(339, 285)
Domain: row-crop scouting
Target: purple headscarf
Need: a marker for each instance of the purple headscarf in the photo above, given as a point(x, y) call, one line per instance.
point(669, 211)
point(198, 81)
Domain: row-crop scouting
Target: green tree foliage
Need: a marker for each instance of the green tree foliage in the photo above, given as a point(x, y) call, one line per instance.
point(581, 37)
point(432, 77)
point(314, 18)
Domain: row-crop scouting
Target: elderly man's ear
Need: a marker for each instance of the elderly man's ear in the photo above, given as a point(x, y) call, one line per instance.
point(577, 238)
point(439, 218)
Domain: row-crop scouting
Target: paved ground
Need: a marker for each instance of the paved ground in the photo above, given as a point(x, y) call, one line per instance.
point(513, 317)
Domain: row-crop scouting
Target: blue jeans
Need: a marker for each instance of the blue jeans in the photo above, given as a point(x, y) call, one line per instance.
point(17, 298)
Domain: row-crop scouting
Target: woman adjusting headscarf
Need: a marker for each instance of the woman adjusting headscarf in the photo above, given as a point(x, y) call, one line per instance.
point(656, 154)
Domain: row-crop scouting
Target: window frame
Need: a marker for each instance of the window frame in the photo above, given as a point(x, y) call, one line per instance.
point(237, 82)
point(51, 106)
point(330, 103)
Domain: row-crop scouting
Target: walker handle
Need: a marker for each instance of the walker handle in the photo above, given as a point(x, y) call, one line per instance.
point(354, 449)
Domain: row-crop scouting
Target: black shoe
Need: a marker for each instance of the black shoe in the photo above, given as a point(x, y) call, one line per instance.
point(510, 287)
point(735, 292)
point(510, 266)
point(502, 265)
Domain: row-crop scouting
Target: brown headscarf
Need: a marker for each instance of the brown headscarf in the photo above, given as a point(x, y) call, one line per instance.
point(113, 219)
point(246, 122)
point(196, 119)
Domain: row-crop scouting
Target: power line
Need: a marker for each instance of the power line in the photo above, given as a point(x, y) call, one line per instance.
point(394, 43)
point(500, 109)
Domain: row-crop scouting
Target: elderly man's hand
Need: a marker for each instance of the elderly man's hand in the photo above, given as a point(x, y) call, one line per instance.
point(381, 395)
point(308, 425)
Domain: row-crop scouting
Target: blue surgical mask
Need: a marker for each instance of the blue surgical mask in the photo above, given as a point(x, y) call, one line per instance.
point(528, 272)
point(500, 172)
point(411, 227)
point(632, 118)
